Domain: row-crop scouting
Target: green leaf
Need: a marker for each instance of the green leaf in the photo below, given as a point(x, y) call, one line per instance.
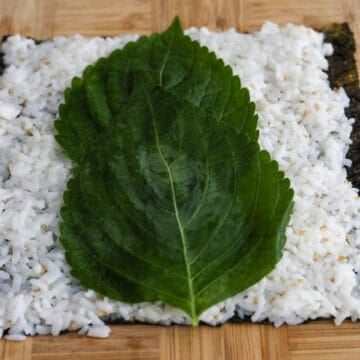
point(171, 198)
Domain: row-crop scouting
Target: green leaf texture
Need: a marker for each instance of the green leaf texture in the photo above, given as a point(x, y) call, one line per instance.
point(171, 198)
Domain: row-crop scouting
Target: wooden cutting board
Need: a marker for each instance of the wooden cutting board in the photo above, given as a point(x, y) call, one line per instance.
point(43, 19)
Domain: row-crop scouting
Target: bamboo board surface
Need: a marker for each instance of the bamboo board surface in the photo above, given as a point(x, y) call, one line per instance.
point(44, 19)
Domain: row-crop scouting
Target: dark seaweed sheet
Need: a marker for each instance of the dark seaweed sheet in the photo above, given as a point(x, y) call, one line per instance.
point(342, 72)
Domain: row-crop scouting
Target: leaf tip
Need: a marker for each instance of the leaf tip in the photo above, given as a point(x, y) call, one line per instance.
point(176, 26)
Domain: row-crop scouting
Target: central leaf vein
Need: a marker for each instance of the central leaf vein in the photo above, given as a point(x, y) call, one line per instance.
point(176, 211)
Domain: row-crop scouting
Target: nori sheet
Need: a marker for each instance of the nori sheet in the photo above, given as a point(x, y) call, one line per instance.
point(342, 72)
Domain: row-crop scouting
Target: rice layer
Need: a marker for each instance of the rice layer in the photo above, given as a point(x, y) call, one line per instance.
point(302, 124)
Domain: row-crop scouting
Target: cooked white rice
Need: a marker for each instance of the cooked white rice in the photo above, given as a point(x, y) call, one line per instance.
point(302, 124)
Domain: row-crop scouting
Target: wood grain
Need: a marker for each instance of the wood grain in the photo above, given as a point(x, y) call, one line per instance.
point(315, 340)
point(44, 19)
